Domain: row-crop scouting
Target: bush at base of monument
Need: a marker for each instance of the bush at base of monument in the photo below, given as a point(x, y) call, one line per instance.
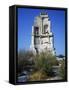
point(43, 66)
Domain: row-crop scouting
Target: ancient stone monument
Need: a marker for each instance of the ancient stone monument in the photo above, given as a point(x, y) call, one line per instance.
point(42, 37)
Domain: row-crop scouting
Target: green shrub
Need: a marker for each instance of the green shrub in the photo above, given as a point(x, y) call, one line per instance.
point(62, 69)
point(43, 65)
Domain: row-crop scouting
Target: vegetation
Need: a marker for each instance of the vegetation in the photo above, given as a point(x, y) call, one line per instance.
point(38, 75)
point(62, 69)
point(24, 62)
point(61, 56)
point(41, 65)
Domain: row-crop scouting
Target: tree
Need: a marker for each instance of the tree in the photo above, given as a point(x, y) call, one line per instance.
point(61, 56)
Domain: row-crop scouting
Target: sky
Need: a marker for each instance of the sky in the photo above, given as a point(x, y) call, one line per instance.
point(26, 19)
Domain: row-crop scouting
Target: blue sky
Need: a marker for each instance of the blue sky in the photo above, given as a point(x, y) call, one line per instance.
point(26, 19)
